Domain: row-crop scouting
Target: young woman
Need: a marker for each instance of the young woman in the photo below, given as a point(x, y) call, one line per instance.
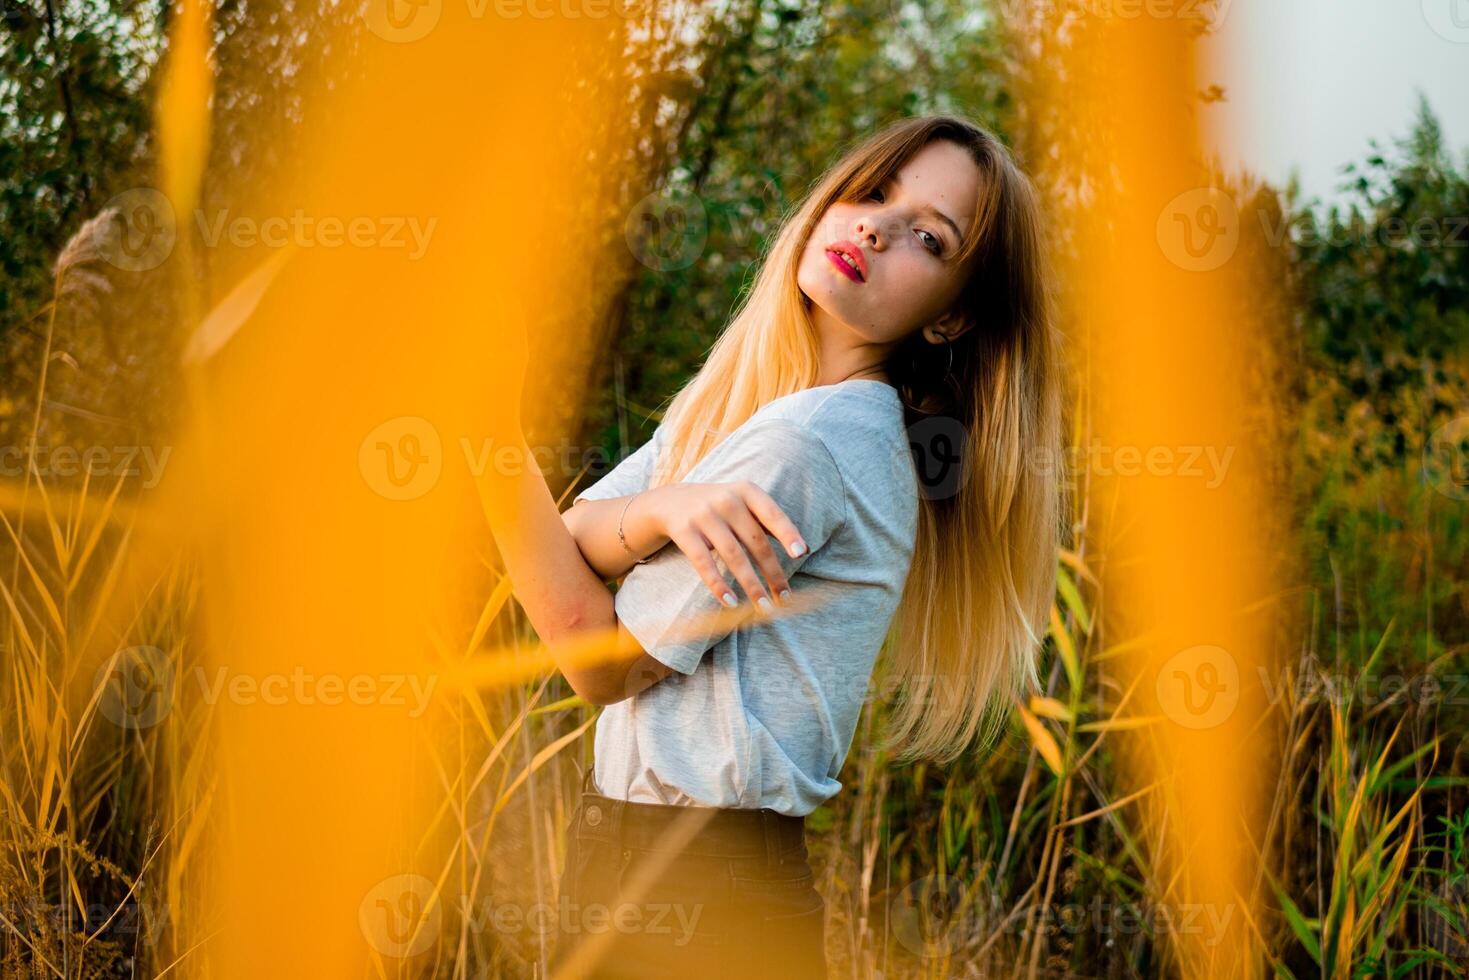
point(885, 407)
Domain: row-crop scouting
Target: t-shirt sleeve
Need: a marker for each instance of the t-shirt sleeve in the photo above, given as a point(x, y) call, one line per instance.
point(630, 476)
point(666, 605)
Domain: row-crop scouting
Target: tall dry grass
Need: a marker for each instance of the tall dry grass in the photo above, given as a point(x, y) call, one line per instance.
point(1035, 859)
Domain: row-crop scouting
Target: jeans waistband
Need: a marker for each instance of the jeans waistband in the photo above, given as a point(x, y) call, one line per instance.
point(716, 831)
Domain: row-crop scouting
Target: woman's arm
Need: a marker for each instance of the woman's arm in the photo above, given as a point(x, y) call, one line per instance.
point(562, 596)
point(701, 519)
point(593, 524)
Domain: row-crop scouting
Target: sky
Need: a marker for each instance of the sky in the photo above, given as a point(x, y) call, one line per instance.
point(1309, 82)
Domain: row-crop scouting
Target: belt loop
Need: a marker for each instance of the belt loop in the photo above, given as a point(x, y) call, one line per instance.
point(617, 813)
point(770, 830)
point(602, 817)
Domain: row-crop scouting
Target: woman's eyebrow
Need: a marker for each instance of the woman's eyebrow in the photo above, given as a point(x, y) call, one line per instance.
point(935, 212)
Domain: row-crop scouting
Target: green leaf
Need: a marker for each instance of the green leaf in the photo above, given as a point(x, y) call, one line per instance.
point(1071, 596)
point(1298, 923)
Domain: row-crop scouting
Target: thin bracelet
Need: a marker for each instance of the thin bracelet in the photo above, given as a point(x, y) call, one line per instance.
point(621, 537)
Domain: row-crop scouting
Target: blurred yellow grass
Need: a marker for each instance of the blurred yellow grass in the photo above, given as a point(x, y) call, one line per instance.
point(312, 555)
point(1179, 563)
point(275, 545)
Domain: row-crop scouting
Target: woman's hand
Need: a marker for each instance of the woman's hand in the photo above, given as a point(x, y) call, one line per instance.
point(729, 519)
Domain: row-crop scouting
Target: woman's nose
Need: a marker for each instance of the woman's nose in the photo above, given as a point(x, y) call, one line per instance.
point(865, 231)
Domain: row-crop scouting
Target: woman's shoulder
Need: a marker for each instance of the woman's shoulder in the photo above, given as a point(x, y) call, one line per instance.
point(847, 412)
point(860, 422)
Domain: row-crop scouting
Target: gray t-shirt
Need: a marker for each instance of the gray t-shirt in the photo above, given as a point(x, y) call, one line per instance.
point(763, 715)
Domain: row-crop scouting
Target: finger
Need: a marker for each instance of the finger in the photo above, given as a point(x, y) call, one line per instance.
point(757, 544)
point(733, 553)
point(768, 512)
point(696, 549)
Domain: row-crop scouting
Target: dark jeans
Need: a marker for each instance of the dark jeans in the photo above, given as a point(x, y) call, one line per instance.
point(737, 900)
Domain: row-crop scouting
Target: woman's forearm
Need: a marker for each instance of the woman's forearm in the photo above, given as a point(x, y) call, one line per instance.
point(593, 523)
point(562, 597)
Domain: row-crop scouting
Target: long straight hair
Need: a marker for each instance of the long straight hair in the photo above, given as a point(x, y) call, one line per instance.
point(966, 636)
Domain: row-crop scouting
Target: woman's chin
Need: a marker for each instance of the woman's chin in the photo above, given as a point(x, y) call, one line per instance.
point(819, 304)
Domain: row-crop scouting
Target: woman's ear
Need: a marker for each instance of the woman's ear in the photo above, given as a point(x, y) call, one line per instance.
point(946, 328)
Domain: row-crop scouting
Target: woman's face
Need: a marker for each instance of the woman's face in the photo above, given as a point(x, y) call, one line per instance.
point(903, 234)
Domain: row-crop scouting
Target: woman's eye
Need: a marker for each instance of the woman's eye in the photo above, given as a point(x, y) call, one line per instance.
point(875, 193)
point(931, 242)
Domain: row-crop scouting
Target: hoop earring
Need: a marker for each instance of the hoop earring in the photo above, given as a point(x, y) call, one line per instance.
point(950, 345)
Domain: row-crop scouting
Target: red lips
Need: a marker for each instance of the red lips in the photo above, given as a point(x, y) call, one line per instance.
point(850, 250)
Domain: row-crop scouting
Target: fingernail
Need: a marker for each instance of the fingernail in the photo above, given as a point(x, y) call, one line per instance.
point(730, 600)
point(798, 549)
point(785, 595)
point(764, 603)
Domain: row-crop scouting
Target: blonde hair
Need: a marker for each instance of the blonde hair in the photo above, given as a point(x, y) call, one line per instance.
point(966, 635)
